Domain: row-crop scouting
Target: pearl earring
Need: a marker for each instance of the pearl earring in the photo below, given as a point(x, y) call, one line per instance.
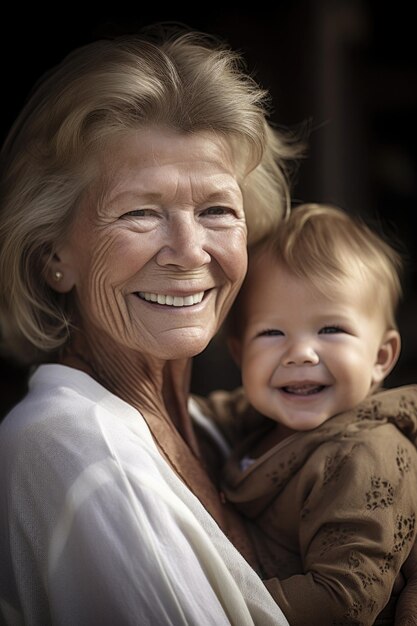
point(58, 276)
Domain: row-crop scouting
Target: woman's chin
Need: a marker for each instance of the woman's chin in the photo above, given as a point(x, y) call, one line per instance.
point(187, 348)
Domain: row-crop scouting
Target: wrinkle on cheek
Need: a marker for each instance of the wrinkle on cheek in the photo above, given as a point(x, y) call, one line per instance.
point(108, 308)
point(101, 292)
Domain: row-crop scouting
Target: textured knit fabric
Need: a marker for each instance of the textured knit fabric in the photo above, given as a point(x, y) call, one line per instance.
point(96, 529)
point(334, 509)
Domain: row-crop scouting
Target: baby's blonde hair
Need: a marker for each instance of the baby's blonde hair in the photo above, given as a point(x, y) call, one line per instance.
point(327, 246)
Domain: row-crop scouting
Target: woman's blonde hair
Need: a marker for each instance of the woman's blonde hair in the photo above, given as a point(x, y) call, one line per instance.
point(187, 81)
point(327, 246)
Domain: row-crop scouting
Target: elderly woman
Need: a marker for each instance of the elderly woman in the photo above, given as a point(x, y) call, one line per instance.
point(128, 184)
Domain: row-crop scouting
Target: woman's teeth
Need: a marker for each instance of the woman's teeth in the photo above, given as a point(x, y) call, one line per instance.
point(172, 300)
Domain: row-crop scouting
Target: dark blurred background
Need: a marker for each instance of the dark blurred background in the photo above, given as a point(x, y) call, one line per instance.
point(347, 68)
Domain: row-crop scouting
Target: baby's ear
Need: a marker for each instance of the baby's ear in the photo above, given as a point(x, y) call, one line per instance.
point(387, 356)
point(235, 348)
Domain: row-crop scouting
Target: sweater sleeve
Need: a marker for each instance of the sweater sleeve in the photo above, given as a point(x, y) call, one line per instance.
point(231, 412)
point(356, 528)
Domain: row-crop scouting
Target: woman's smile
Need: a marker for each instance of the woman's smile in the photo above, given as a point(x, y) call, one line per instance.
point(171, 300)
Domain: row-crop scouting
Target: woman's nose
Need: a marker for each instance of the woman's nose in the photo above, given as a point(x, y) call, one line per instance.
point(185, 244)
point(300, 353)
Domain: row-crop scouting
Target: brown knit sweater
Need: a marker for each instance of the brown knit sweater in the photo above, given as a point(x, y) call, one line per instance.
point(333, 510)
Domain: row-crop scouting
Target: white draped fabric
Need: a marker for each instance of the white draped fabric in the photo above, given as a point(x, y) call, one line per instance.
point(96, 529)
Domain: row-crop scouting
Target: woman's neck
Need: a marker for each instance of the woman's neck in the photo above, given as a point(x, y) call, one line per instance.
point(158, 389)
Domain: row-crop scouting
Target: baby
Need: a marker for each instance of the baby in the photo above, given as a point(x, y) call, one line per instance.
point(329, 480)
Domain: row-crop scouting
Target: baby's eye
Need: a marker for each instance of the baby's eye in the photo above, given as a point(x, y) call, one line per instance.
point(331, 330)
point(270, 332)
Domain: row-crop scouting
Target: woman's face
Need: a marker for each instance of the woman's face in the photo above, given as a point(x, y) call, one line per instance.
point(156, 260)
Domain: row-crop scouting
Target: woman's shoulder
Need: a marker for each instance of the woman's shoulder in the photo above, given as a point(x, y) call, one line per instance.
point(66, 431)
point(52, 393)
point(65, 412)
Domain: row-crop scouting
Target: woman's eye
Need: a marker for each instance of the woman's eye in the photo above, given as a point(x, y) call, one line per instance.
point(217, 210)
point(139, 213)
point(331, 330)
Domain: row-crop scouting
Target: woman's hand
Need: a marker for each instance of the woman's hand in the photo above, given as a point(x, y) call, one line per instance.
point(406, 611)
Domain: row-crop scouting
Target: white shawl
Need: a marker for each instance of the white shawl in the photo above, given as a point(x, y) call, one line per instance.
point(97, 530)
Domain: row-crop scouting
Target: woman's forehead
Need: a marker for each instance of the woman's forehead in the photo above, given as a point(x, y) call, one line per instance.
point(155, 164)
point(153, 147)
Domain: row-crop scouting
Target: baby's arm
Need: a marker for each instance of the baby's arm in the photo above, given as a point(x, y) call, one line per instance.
point(357, 528)
point(231, 412)
point(406, 610)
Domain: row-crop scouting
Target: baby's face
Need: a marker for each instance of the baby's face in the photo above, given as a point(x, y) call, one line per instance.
point(306, 357)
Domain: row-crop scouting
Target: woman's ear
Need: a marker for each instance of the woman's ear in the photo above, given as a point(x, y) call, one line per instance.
point(387, 355)
point(60, 274)
point(235, 348)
